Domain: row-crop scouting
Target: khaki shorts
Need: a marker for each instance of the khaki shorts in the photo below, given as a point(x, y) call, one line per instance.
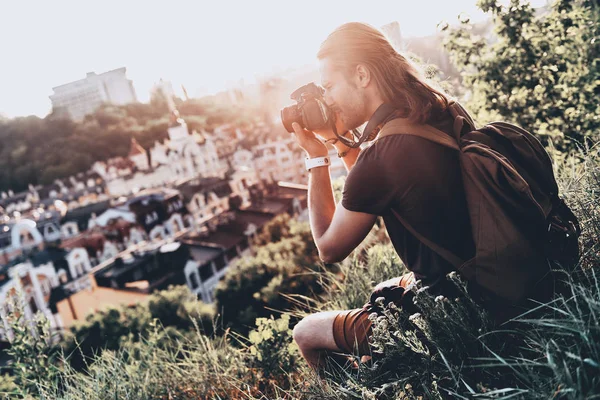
point(352, 328)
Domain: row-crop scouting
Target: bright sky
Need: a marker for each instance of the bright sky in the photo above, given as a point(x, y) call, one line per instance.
point(205, 45)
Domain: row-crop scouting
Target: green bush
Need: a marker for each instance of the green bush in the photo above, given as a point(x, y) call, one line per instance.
point(107, 329)
point(285, 264)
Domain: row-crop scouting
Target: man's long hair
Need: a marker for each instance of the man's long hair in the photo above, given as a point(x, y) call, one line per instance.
point(399, 81)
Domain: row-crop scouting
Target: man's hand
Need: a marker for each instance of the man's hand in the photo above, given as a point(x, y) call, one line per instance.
point(309, 142)
point(389, 283)
point(327, 133)
point(404, 281)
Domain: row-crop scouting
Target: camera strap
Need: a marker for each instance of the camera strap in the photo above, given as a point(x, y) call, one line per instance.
point(383, 114)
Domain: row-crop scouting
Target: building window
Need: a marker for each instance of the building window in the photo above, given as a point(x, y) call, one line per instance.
point(138, 275)
point(26, 238)
point(45, 285)
point(79, 269)
point(33, 305)
point(151, 266)
point(220, 263)
point(205, 272)
point(231, 253)
point(194, 281)
point(62, 276)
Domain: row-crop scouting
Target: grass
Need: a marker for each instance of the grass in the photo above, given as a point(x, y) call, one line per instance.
point(445, 347)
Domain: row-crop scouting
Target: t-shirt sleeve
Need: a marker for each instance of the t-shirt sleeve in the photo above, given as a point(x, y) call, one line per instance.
point(367, 188)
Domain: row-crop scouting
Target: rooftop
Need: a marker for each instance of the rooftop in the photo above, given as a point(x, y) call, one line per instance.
point(270, 206)
point(88, 75)
point(82, 214)
point(203, 254)
point(121, 266)
point(190, 187)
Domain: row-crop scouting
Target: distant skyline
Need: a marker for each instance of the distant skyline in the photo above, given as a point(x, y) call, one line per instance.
point(206, 46)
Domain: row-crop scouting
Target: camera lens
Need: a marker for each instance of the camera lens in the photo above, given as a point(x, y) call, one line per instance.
point(289, 115)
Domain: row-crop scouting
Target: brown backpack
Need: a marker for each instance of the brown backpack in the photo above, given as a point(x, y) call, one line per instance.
point(519, 223)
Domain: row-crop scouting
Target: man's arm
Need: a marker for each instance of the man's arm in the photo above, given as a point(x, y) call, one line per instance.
point(336, 231)
point(351, 154)
point(350, 158)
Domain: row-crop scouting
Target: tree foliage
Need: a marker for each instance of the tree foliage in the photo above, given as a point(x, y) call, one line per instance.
point(286, 262)
point(39, 150)
point(540, 70)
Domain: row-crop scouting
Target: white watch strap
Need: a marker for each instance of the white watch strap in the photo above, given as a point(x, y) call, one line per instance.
point(316, 162)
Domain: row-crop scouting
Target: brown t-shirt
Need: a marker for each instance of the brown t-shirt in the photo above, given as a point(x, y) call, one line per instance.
point(421, 180)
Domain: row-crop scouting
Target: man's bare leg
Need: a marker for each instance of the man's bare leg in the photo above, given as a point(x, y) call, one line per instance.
point(314, 336)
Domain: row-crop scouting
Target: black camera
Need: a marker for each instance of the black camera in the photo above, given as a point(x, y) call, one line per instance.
point(311, 112)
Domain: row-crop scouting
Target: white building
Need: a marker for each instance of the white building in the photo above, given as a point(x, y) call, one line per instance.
point(394, 35)
point(281, 160)
point(35, 279)
point(182, 156)
point(138, 155)
point(82, 97)
point(185, 155)
point(164, 89)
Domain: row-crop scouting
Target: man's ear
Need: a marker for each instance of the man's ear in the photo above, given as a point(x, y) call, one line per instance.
point(363, 76)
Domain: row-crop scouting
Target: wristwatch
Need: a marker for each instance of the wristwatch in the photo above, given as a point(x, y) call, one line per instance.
point(316, 162)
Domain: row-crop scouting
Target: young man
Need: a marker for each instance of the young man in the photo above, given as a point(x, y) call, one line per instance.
point(366, 80)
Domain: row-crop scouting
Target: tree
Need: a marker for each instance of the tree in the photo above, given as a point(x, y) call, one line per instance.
point(35, 150)
point(541, 70)
point(286, 262)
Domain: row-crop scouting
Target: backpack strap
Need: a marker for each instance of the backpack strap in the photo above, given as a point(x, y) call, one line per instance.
point(404, 127)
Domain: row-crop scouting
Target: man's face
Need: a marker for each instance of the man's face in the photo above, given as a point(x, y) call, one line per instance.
point(343, 96)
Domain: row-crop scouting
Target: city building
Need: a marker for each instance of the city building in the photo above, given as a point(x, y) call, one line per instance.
point(280, 160)
point(75, 191)
point(71, 264)
point(160, 213)
point(189, 155)
point(77, 99)
point(394, 35)
point(148, 268)
point(45, 281)
point(22, 236)
point(163, 89)
point(225, 239)
point(181, 156)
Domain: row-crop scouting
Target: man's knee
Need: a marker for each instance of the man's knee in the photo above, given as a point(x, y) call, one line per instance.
point(301, 332)
point(315, 331)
